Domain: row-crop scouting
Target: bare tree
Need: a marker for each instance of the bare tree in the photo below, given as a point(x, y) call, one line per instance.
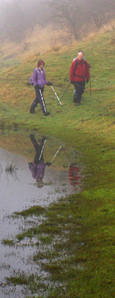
point(17, 17)
point(71, 14)
point(101, 11)
point(75, 16)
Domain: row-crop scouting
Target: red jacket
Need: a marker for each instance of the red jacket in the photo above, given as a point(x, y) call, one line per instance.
point(75, 174)
point(81, 72)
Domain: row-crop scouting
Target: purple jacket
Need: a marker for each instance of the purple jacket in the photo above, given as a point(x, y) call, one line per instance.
point(37, 170)
point(38, 77)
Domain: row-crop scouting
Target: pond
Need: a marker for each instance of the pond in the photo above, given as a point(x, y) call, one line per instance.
point(34, 170)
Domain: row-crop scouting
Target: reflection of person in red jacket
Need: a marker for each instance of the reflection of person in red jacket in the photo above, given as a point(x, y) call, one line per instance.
point(79, 73)
point(75, 174)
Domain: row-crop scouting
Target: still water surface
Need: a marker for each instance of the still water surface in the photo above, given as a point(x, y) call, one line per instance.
point(21, 187)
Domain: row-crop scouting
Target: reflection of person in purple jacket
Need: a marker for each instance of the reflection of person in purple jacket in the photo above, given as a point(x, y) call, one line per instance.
point(39, 81)
point(37, 167)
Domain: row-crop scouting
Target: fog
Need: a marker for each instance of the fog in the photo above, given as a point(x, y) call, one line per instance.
point(17, 18)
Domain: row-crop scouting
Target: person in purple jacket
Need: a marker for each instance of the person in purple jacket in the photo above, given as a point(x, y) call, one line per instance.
point(37, 167)
point(39, 81)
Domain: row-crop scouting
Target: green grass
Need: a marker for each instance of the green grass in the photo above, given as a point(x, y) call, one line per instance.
point(34, 210)
point(80, 229)
point(8, 242)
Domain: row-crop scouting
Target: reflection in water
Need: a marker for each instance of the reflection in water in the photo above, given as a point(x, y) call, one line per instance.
point(12, 170)
point(60, 175)
point(37, 167)
point(0, 170)
point(75, 174)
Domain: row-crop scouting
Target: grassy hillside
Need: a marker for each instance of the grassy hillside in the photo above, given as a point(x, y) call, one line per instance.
point(90, 129)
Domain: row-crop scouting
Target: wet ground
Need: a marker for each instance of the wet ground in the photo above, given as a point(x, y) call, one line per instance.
point(21, 187)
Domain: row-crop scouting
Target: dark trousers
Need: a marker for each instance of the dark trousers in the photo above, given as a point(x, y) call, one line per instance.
point(79, 88)
point(39, 99)
point(38, 148)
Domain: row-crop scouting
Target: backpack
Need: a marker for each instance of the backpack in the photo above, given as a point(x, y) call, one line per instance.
point(76, 64)
point(31, 78)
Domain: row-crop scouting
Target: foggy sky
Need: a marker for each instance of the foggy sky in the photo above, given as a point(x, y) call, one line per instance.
point(19, 16)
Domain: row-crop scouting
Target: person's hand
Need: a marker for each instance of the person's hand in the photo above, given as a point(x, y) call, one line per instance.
point(48, 164)
point(49, 84)
point(72, 82)
point(38, 86)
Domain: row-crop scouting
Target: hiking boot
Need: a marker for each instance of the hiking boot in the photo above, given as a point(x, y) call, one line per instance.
point(74, 100)
point(46, 113)
point(32, 111)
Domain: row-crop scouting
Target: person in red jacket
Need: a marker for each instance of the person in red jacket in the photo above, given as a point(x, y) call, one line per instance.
point(75, 175)
point(79, 73)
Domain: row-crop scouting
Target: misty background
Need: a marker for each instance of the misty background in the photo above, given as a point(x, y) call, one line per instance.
point(77, 17)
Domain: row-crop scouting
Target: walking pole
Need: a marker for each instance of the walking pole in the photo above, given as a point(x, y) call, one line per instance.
point(42, 100)
point(66, 155)
point(90, 86)
point(90, 79)
point(42, 150)
point(56, 95)
point(66, 90)
point(56, 154)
